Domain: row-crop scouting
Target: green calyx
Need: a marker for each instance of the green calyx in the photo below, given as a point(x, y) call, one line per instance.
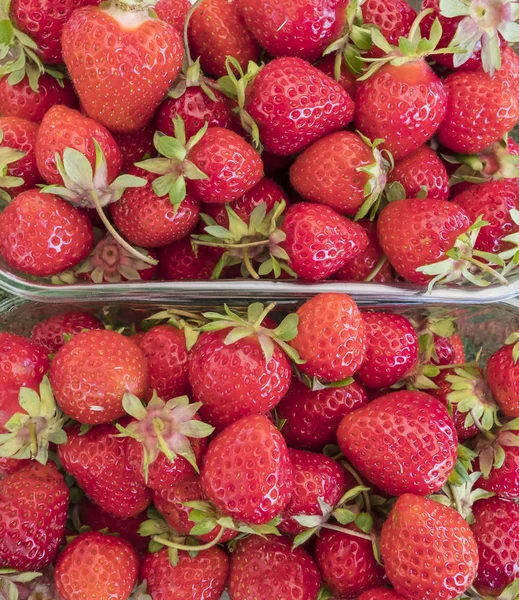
point(513, 340)
point(8, 156)
point(192, 76)
point(461, 497)
point(189, 323)
point(11, 580)
point(444, 327)
point(512, 253)
point(31, 432)
point(140, 592)
point(490, 446)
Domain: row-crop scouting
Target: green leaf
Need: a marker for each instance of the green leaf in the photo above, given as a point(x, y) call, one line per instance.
point(78, 168)
point(191, 171)
point(344, 516)
point(364, 522)
point(203, 527)
point(6, 32)
point(353, 493)
point(159, 166)
point(287, 329)
point(303, 537)
point(171, 148)
point(177, 191)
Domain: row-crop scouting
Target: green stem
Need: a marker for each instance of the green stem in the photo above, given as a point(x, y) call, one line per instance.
point(248, 264)
point(456, 366)
point(377, 269)
point(188, 57)
point(363, 536)
point(165, 542)
point(357, 478)
point(481, 429)
point(34, 438)
point(456, 498)
point(232, 246)
point(488, 269)
point(265, 312)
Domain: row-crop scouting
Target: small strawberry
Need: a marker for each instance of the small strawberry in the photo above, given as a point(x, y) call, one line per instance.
point(382, 439)
point(173, 12)
point(502, 374)
point(52, 333)
point(24, 364)
point(179, 261)
point(91, 373)
point(394, 20)
point(135, 146)
point(428, 549)
point(17, 154)
point(380, 594)
point(95, 565)
point(439, 341)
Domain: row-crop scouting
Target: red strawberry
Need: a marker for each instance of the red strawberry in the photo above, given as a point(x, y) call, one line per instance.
point(501, 471)
point(336, 322)
point(449, 350)
point(380, 594)
point(347, 563)
point(469, 128)
point(508, 74)
point(503, 377)
point(312, 417)
point(136, 145)
point(173, 12)
point(421, 169)
point(347, 79)
point(24, 364)
point(52, 333)
point(393, 18)
point(19, 135)
point(216, 31)
point(95, 565)
point(179, 261)
point(319, 241)
point(144, 54)
point(253, 449)
point(382, 439)
point(8, 466)
point(428, 549)
point(91, 373)
point(41, 234)
point(20, 100)
point(33, 512)
point(97, 460)
point(200, 578)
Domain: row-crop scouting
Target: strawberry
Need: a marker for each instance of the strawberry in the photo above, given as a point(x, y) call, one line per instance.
point(41, 234)
point(508, 74)
point(95, 565)
point(269, 568)
point(448, 350)
point(52, 333)
point(202, 577)
point(336, 322)
point(216, 31)
point(312, 417)
point(33, 512)
point(179, 261)
point(347, 563)
point(380, 594)
point(468, 128)
point(173, 12)
point(428, 549)
point(319, 241)
point(20, 100)
point(393, 19)
point(294, 28)
point(255, 450)
point(403, 423)
point(17, 154)
point(498, 460)
point(391, 350)
point(144, 54)
point(97, 460)
point(24, 364)
point(496, 530)
point(91, 373)
point(343, 170)
point(11, 465)
point(135, 146)
point(346, 79)
point(502, 374)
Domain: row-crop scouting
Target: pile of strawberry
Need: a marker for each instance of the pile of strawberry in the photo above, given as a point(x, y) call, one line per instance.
point(256, 138)
point(335, 454)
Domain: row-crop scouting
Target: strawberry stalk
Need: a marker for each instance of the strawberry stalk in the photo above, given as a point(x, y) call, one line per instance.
point(177, 546)
point(376, 269)
point(362, 536)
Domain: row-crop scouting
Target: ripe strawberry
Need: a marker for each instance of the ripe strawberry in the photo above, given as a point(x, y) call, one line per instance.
point(253, 449)
point(269, 568)
point(19, 135)
point(179, 261)
point(391, 350)
point(319, 241)
point(21, 101)
point(336, 322)
point(173, 12)
point(508, 74)
point(8, 466)
point(95, 565)
point(382, 439)
point(499, 462)
point(312, 417)
point(502, 374)
point(393, 19)
point(216, 31)
point(97, 460)
point(347, 79)
point(421, 169)
point(41, 234)
point(347, 564)
point(92, 372)
point(469, 128)
point(202, 577)
point(24, 364)
point(144, 54)
point(380, 594)
point(52, 333)
point(448, 350)
point(428, 549)
point(33, 512)
point(135, 146)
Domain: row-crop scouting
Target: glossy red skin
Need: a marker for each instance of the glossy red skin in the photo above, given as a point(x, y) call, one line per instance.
point(347, 564)
point(173, 12)
point(319, 241)
point(346, 80)
point(64, 127)
point(11, 465)
point(43, 235)
point(331, 337)
point(202, 577)
point(503, 379)
point(196, 109)
point(503, 481)
point(402, 105)
point(422, 168)
point(20, 100)
point(492, 112)
point(382, 439)
point(423, 536)
point(178, 261)
point(315, 476)
point(255, 449)
point(413, 233)
point(233, 381)
point(91, 373)
point(148, 221)
point(33, 512)
point(449, 351)
point(147, 58)
point(23, 362)
point(20, 134)
point(136, 145)
point(393, 19)
point(97, 460)
point(380, 594)
point(508, 74)
point(51, 333)
point(96, 565)
point(294, 104)
point(311, 418)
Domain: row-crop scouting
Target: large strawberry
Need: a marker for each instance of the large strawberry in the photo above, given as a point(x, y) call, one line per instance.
point(17, 155)
point(503, 376)
point(428, 549)
point(52, 333)
point(144, 54)
point(382, 439)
